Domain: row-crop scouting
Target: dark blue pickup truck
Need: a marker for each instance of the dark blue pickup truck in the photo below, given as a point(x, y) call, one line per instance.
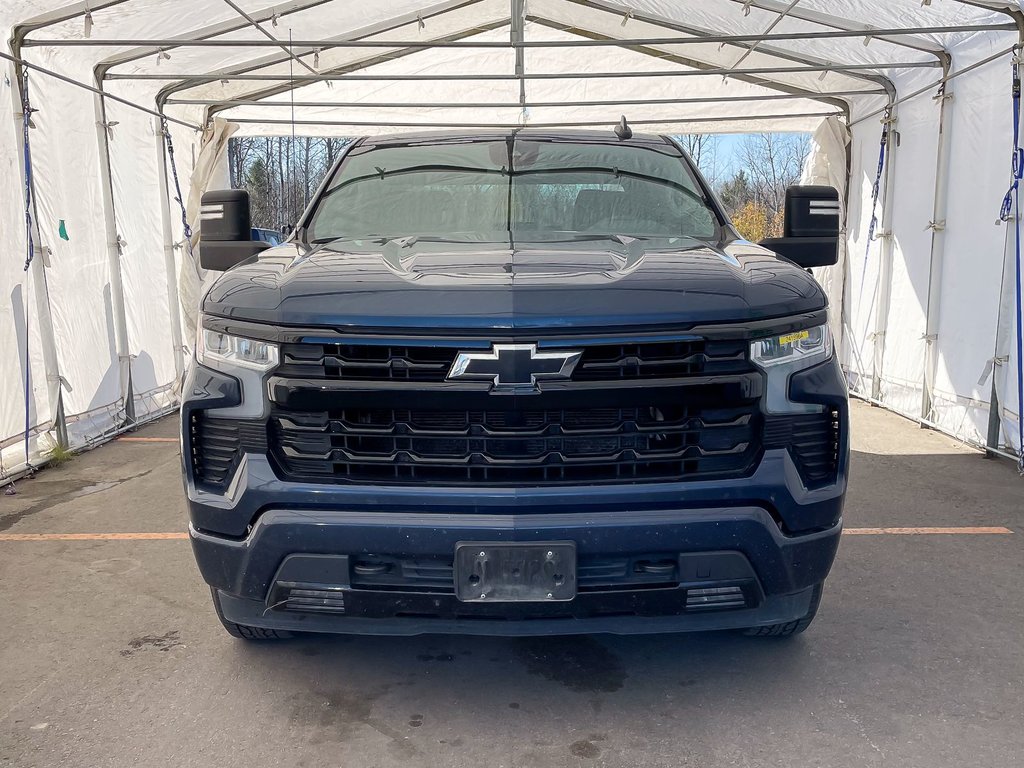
point(515, 383)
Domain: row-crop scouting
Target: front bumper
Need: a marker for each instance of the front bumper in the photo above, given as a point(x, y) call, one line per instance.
point(779, 583)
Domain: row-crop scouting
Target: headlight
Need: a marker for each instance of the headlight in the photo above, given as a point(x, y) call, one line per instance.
point(800, 349)
point(781, 356)
point(223, 351)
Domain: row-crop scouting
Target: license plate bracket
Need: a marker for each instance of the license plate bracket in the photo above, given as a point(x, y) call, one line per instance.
point(519, 572)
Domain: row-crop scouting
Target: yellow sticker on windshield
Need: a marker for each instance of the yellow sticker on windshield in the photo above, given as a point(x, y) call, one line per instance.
point(789, 338)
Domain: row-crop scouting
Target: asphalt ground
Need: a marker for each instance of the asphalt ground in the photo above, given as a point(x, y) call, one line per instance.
point(110, 653)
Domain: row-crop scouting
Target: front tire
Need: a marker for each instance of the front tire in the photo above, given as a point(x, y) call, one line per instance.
point(243, 631)
point(789, 628)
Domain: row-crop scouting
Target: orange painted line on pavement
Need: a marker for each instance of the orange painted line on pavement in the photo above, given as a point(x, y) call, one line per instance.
point(161, 536)
point(982, 530)
point(147, 439)
point(90, 536)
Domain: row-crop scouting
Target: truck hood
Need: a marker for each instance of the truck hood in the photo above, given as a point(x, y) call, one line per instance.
point(474, 286)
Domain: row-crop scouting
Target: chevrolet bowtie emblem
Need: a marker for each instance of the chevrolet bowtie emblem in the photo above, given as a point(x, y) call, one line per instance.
point(515, 367)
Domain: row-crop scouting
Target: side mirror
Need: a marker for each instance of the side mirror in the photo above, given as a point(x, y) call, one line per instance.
point(811, 228)
point(226, 231)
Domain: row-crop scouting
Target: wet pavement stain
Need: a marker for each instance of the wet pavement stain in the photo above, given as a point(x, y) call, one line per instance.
point(581, 664)
point(62, 491)
point(585, 749)
point(162, 642)
point(332, 715)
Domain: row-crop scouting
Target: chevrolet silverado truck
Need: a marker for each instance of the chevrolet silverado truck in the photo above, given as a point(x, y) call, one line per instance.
point(515, 383)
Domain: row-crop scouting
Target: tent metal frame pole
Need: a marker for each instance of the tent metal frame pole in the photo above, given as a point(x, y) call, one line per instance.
point(937, 253)
point(252, 22)
point(355, 77)
point(117, 299)
point(698, 64)
point(278, 12)
point(170, 263)
point(517, 34)
point(804, 60)
point(222, 28)
point(941, 81)
point(77, 10)
point(484, 44)
point(841, 23)
point(782, 13)
point(514, 105)
point(571, 124)
point(93, 89)
point(885, 264)
point(419, 17)
point(778, 86)
point(43, 311)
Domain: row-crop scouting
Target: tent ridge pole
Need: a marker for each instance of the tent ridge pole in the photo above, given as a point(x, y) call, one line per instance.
point(203, 78)
point(419, 45)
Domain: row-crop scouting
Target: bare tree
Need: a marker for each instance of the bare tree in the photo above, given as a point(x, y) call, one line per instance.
point(773, 162)
point(281, 174)
point(703, 149)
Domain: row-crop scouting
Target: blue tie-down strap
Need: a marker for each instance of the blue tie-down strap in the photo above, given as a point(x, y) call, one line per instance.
point(186, 229)
point(30, 251)
point(877, 186)
point(1011, 209)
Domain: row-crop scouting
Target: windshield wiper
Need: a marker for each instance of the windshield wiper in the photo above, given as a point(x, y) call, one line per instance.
point(384, 173)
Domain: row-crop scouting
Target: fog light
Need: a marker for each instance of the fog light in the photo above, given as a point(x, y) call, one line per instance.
point(310, 599)
point(715, 597)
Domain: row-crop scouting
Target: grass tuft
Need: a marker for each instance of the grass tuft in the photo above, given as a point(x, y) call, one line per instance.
point(59, 455)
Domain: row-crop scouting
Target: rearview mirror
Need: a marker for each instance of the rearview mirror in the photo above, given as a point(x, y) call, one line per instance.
point(225, 230)
point(811, 228)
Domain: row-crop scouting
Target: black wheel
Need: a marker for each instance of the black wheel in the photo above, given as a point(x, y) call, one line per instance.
point(244, 632)
point(789, 628)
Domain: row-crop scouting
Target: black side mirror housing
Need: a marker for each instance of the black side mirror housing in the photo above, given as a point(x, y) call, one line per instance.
point(226, 230)
point(811, 229)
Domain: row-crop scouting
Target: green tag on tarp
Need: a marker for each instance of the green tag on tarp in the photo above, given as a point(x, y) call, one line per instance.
point(62, 230)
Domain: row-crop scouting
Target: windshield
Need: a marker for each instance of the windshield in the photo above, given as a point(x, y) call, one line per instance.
point(496, 189)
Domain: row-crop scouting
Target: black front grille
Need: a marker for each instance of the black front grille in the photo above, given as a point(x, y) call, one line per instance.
point(601, 362)
point(216, 446)
point(813, 441)
point(521, 446)
point(661, 360)
point(366, 362)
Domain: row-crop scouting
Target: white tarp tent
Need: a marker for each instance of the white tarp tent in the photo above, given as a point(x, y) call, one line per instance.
point(93, 329)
